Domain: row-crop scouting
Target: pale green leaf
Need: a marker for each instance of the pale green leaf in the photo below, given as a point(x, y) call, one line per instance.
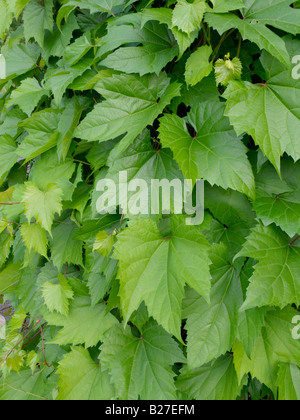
point(42, 205)
point(87, 382)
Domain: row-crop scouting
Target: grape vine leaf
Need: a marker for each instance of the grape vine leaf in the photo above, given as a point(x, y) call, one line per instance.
point(38, 17)
point(34, 237)
point(65, 249)
point(141, 366)
point(161, 267)
point(42, 134)
point(27, 95)
point(42, 205)
point(25, 386)
point(211, 328)
point(253, 25)
point(213, 152)
point(142, 160)
point(87, 382)
point(164, 15)
point(272, 119)
point(278, 200)
point(8, 154)
point(84, 325)
point(131, 104)
point(288, 382)
point(275, 345)
point(198, 65)
point(158, 48)
point(275, 281)
point(217, 381)
point(57, 296)
point(187, 16)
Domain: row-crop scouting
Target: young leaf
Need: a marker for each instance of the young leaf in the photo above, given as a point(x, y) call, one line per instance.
point(34, 237)
point(187, 16)
point(198, 65)
point(57, 296)
point(42, 205)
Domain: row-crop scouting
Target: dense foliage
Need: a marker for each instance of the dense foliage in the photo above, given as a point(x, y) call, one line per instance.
point(120, 306)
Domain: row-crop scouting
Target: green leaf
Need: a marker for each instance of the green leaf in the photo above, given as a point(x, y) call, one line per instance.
point(278, 200)
point(266, 107)
point(85, 324)
point(5, 18)
point(34, 237)
point(217, 381)
point(277, 13)
point(275, 281)
point(275, 345)
point(9, 276)
point(227, 70)
point(214, 153)
point(158, 48)
point(141, 366)
point(8, 155)
point(26, 386)
point(104, 243)
point(87, 382)
point(19, 6)
point(161, 267)
point(164, 15)
point(20, 59)
point(142, 159)
point(254, 30)
point(212, 327)
point(42, 134)
point(233, 218)
point(187, 16)
point(42, 205)
point(224, 6)
point(65, 249)
point(198, 65)
point(251, 321)
point(131, 104)
point(60, 78)
point(57, 296)
point(38, 17)
point(289, 383)
point(27, 95)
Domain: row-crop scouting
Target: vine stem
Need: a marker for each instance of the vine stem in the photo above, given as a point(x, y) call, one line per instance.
point(205, 34)
point(294, 241)
point(9, 204)
point(223, 39)
point(24, 392)
point(25, 336)
point(239, 46)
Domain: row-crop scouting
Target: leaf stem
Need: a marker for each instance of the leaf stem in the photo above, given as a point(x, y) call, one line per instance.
point(294, 240)
point(9, 204)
